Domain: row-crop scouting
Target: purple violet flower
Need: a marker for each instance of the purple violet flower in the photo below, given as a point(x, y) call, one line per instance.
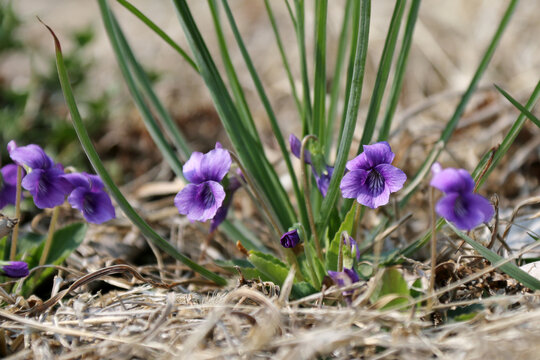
point(8, 185)
point(371, 177)
point(221, 214)
point(90, 198)
point(45, 180)
point(345, 278)
point(460, 204)
point(14, 269)
point(352, 244)
point(290, 239)
point(201, 199)
point(323, 178)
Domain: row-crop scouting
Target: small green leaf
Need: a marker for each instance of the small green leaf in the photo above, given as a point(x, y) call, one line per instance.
point(392, 283)
point(246, 268)
point(270, 266)
point(302, 289)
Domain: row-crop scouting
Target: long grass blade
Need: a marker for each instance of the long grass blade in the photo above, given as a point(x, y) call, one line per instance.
point(283, 55)
point(520, 107)
point(319, 97)
point(255, 161)
point(92, 155)
point(336, 78)
point(407, 192)
point(382, 73)
point(307, 125)
point(131, 8)
point(399, 75)
point(351, 115)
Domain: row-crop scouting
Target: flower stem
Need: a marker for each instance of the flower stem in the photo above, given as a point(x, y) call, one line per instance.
point(48, 241)
point(15, 234)
point(430, 300)
point(358, 212)
point(307, 198)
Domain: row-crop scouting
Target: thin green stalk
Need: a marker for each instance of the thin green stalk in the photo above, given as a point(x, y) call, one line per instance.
point(15, 233)
point(407, 192)
point(319, 97)
point(139, 75)
point(350, 120)
point(283, 55)
point(433, 246)
point(48, 240)
point(382, 74)
point(291, 13)
point(94, 159)
point(131, 8)
point(268, 107)
point(336, 78)
point(399, 75)
point(307, 125)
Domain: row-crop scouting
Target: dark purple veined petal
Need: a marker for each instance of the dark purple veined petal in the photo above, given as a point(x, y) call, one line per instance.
point(352, 183)
point(96, 206)
point(32, 156)
point(215, 164)
point(379, 153)
point(191, 168)
point(466, 211)
point(369, 199)
point(358, 163)
point(48, 187)
point(394, 178)
point(200, 202)
point(78, 180)
point(452, 180)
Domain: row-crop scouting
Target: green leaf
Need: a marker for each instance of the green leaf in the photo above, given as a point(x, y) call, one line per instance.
point(319, 98)
point(332, 253)
point(94, 159)
point(270, 266)
point(248, 270)
point(302, 289)
point(392, 283)
point(509, 268)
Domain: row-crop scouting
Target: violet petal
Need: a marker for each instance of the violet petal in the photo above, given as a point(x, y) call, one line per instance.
point(200, 202)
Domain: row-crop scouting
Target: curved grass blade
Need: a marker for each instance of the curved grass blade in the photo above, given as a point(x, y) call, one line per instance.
point(336, 78)
point(319, 97)
point(92, 155)
point(131, 8)
point(407, 192)
point(350, 119)
point(520, 107)
point(146, 114)
point(283, 55)
point(382, 74)
point(256, 162)
point(269, 111)
point(399, 75)
point(509, 268)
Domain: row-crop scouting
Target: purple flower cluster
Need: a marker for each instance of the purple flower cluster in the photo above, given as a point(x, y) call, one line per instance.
point(323, 176)
point(459, 204)
point(14, 269)
point(371, 177)
point(205, 197)
point(49, 185)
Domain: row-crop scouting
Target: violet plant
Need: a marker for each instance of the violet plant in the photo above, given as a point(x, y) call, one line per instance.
point(346, 183)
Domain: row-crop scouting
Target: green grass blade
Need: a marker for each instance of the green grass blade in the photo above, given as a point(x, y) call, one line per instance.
point(254, 161)
point(269, 111)
point(291, 13)
point(146, 114)
point(520, 107)
point(509, 268)
point(131, 8)
point(283, 55)
point(319, 97)
point(399, 75)
point(382, 73)
point(350, 119)
point(407, 192)
point(143, 81)
point(236, 87)
point(336, 78)
point(307, 125)
point(92, 155)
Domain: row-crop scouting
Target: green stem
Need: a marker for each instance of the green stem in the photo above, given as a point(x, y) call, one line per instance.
point(433, 246)
point(15, 234)
point(48, 241)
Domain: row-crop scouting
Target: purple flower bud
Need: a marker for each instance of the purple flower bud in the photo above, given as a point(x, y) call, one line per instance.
point(202, 199)
point(344, 278)
point(371, 177)
point(352, 244)
point(45, 181)
point(290, 239)
point(14, 269)
point(460, 205)
point(90, 198)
